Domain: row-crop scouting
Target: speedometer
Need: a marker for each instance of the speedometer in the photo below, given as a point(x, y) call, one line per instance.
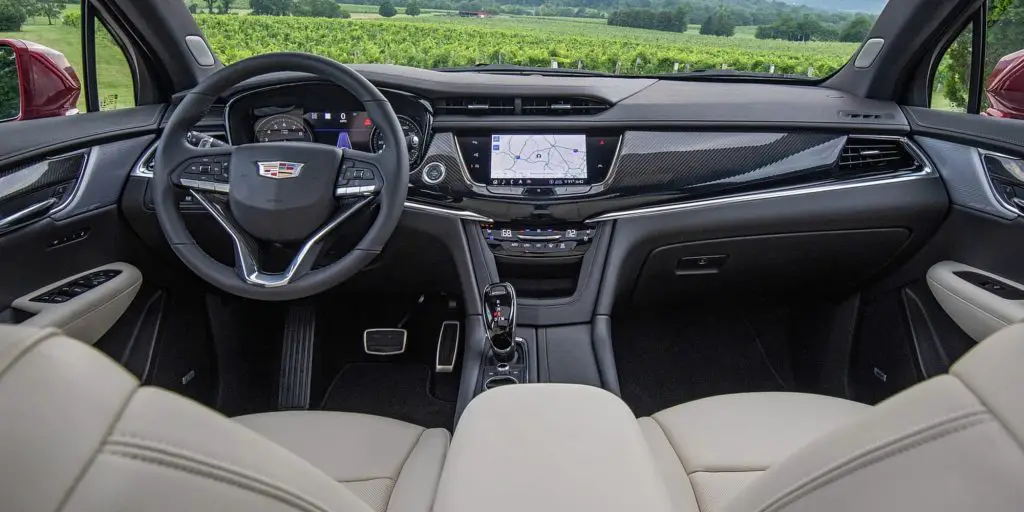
point(280, 128)
point(413, 138)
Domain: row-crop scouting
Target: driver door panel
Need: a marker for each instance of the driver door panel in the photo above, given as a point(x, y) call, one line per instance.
point(60, 183)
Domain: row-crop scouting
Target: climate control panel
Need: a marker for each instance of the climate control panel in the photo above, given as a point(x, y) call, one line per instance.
point(563, 240)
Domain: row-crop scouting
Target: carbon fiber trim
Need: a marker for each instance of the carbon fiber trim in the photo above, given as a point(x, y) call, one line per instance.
point(687, 160)
point(444, 151)
point(40, 175)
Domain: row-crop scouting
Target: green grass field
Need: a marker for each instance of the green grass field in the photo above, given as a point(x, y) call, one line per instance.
point(540, 35)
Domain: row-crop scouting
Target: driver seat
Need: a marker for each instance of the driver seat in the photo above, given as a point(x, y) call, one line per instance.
point(79, 433)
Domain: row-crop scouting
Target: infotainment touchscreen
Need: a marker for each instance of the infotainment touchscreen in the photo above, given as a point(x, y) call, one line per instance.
point(538, 159)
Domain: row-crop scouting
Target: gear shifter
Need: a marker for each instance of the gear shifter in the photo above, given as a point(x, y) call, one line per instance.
point(500, 308)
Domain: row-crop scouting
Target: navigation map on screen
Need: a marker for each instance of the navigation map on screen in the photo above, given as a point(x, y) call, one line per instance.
point(539, 159)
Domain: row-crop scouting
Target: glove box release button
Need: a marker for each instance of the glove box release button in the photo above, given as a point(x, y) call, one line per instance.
point(701, 264)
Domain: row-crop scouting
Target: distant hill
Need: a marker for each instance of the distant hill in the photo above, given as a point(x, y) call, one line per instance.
point(869, 6)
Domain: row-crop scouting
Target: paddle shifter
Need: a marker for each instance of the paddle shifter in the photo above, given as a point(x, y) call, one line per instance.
point(500, 308)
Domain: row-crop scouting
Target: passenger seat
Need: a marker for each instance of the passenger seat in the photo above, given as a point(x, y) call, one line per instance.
point(952, 443)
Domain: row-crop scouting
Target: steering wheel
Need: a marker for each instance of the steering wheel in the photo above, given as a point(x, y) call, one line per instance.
point(279, 192)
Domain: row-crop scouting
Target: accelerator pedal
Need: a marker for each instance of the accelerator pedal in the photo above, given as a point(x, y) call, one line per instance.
point(297, 357)
point(447, 347)
point(384, 342)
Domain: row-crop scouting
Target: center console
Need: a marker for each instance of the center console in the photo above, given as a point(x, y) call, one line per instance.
point(602, 462)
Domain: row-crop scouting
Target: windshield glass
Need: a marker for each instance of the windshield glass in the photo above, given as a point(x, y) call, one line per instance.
point(806, 38)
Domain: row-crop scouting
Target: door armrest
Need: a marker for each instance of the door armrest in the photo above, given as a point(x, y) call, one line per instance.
point(88, 315)
point(978, 305)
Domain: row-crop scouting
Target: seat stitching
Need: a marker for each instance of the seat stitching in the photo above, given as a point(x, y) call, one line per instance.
point(717, 471)
point(252, 486)
point(911, 440)
point(670, 443)
point(96, 451)
point(1013, 435)
point(169, 450)
point(402, 468)
point(39, 336)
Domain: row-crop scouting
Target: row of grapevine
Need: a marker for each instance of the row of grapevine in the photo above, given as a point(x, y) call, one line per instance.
point(445, 42)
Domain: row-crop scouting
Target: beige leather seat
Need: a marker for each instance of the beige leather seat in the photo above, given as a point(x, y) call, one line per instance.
point(78, 433)
point(710, 449)
point(389, 464)
point(952, 443)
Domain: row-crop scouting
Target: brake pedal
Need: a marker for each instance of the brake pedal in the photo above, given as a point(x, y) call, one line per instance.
point(384, 342)
point(297, 357)
point(447, 347)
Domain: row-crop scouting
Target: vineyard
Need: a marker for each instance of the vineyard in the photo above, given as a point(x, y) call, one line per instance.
point(447, 41)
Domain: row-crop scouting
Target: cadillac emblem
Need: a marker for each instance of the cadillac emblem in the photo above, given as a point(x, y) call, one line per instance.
point(279, 170)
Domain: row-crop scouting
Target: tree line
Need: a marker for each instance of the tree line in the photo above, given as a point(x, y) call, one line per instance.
point(808, 28)
point(14, 13)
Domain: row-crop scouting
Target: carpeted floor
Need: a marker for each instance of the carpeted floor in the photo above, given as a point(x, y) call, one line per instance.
point(665, 360)
point(399, 391)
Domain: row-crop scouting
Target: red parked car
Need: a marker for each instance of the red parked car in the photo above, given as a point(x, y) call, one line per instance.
point(1006, 87)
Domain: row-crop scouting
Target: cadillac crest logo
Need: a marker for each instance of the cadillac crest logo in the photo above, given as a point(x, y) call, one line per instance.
point(279, 170)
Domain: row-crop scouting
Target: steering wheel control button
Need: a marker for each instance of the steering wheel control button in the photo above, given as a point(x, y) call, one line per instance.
point(433, 173)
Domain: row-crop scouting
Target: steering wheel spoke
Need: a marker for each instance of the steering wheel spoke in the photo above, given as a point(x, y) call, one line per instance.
point(247, 249)
point(360, 174)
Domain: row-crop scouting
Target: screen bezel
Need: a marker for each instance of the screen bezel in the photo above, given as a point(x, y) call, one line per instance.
point(595, 175)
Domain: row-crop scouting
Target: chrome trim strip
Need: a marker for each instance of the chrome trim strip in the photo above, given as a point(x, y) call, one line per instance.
point(744, 198)
point(458, 214)
point(17, 218)
point(926, 171)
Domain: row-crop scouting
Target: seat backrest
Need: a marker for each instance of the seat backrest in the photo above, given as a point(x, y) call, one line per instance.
point(952, 443)
point(78, 433)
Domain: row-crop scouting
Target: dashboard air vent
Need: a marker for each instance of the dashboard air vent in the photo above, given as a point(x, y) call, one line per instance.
point(475, 106)
point(562, 106)
point(507, 106)
point(869, 154)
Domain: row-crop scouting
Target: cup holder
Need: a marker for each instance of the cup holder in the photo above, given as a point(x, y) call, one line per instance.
point(500, 380)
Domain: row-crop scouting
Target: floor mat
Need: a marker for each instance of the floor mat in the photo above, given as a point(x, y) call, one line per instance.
point(666, 360)
point(399, 391)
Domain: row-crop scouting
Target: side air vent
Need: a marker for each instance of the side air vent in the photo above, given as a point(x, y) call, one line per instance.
point(475, 106)
point(562, 106)
point(868, 154)
point(507, 106)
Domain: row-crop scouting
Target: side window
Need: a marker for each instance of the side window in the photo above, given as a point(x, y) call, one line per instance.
point(997, 90)
point(42, 39)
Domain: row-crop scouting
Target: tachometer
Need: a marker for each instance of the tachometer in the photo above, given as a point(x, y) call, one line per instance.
point(413, 138)
point(280, 128)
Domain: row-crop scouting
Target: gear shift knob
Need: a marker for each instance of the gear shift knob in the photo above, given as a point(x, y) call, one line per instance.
point(500, 311)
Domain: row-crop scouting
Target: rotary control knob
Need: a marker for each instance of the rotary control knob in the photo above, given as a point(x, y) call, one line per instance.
point(433, 173)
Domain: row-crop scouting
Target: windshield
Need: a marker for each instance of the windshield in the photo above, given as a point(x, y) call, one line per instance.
point(805, 38)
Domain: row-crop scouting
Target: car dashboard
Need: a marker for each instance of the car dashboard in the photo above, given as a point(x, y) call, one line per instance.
point(587, 191)
point(550, 153)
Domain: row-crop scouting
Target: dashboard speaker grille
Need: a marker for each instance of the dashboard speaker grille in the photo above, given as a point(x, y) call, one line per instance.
point(870, 154)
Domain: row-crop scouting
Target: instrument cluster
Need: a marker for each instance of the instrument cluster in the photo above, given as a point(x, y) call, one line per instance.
point(326, 114)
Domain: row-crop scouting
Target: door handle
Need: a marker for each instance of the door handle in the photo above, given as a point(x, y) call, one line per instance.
point(17, 218)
